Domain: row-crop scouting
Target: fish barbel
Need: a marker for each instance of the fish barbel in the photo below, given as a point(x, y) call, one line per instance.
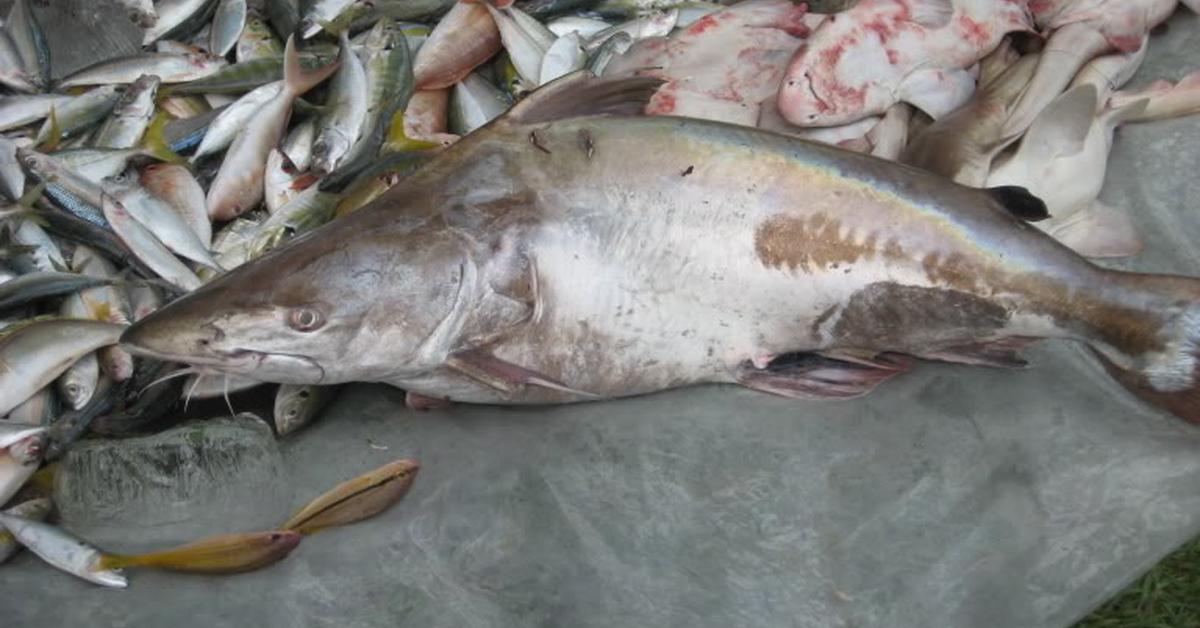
point(571, 251)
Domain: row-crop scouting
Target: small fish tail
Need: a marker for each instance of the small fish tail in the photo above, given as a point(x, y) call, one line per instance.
point(296, 79)
point(108, 562)
point(154, 142)
point(1154, 350)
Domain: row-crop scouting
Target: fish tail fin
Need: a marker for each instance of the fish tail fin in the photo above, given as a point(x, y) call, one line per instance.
point(1152, 345)
point(108, 562)
point(296, 79)
point(154, 142)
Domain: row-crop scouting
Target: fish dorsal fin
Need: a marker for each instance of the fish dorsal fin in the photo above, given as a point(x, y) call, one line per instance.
point(584, 94)
point(932, 13)
point(1117, 116)
point(1019, 202)
point(1061, 128)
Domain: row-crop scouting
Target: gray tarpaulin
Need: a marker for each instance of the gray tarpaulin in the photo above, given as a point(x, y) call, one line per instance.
point(950, 497)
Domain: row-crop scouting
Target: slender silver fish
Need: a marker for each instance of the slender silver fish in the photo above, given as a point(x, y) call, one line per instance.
point(62, 550)
point(169, 67)
point(40, 351)
point(27, 37)
point(35, 509)
point(131, 116)
point(346, 110)
point(158, 216)
point(146, 247)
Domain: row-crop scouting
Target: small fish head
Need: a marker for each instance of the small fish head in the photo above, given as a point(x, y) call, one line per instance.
point(29, 450)
point(35, 163)
point(328, 150)
point(357, 300)
point(77, 391)
point(282, 541)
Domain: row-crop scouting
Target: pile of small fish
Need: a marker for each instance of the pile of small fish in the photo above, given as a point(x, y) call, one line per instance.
point(241, 126)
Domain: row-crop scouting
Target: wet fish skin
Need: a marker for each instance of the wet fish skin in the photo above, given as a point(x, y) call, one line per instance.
point(961, 145)
point(238, 186)
point(1163, 99)
point(223, 554)
point(388, 62)
point(845, 71)
point(169, 67)
point(131, 115)
point(79, 382)
point(81, 112)
point(61, 550)
point(45, 256)
point(146, 247)
point(30, 287)
point(339, 128)
point(19, 110)
point(19, 460)
point(220, 133)
point(12, 177)
point(257, 41)
point(282, 181)
point(178, 187)
point(525, 39)
point(297, 406)
point(107, 303)
point(465, 38)
point(355, 500)
point(94, 164)
point(463, 284)
point(159, 217)
point(40, 351)
point(27, 37)
point(36, 509)
point(57, 176)
point(475, 102)
point(228, 22)
point(299, 142)
point(40, 409)
point(319, 13)
point(176, 16)
point(12, 71)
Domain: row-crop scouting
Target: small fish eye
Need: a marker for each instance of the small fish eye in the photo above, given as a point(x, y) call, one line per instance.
point(275, 536)
point(305, 319)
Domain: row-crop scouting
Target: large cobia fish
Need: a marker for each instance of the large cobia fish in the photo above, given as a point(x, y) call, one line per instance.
point(572, 251)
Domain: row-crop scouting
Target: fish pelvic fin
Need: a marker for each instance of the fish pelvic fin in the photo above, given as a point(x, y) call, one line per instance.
point(1155, 354)
point(820, 376)
point(296, 79)
point(583, 94)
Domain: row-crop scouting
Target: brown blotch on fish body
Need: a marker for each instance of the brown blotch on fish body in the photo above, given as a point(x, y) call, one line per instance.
point(892, 316)
point(816, 242)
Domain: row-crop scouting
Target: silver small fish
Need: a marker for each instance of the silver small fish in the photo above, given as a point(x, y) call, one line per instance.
point(131, 116)
point(62, 550)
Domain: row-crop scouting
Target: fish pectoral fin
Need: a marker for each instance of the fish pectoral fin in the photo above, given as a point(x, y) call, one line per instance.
point(937, 92)
point(417, 401)
point(1062, 127)
point(482, 366)
point(816, 376)
point(1098, 231)
point(583, 94)
point(1020, 202)
point(1004, 353)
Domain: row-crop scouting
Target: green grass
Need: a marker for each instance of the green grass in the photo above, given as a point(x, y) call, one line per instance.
point(1168, 596)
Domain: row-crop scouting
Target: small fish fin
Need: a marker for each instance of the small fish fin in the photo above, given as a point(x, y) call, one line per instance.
point(295, 78)
point(932, 13)
point(32, 196)
point(419, 402)
point(815, 376)
point(1019, 202)
point(1099, 231)
point(1131, 112)
point(108, 562)
point(1062, 127)
point(583, 94)
point(1004, 353)
point(937, 92)
point(505, 376)
point(154, 142)
point(51, 133)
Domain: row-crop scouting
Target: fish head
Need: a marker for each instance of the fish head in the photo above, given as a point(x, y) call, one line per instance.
point(837, 79)
point(37, 164)
point(361, 299)
point(327, 150)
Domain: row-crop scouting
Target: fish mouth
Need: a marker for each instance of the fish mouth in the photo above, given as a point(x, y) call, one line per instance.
point(262, 365)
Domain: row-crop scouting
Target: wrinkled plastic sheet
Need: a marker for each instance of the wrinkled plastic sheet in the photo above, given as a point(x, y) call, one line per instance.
point(950, 497)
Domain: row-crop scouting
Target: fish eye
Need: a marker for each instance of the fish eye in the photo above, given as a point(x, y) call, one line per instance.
point(305, 319)
point(275, 536)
